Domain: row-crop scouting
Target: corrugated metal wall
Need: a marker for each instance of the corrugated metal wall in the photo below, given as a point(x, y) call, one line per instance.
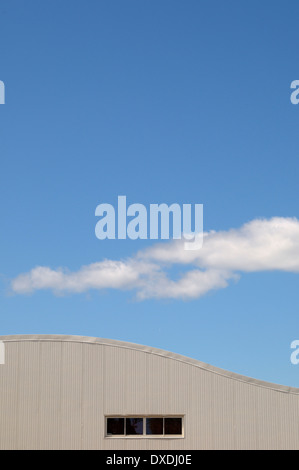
point(55, 393)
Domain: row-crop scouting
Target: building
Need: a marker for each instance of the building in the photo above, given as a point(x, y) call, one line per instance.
point(72, 392)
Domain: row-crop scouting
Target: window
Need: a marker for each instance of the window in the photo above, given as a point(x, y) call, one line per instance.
point(144, 426)
point(154, 425)
point(115, 426)
point(134, 426)
point(173, 425)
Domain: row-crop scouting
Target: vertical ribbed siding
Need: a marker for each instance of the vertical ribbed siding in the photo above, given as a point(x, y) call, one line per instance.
point(50, 373)
point(28, 392)
point(54, 394)
point(93, 396)
point(245, 415)
point(71, 395)
point(9, 418)
point(127, 369)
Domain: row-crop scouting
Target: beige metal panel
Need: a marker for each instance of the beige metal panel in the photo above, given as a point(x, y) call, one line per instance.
point(9, 390)
point(114, 380)
point(50, 373)
point(71, 396)
point(221, 403)
point(198, 414)
point(159, 386)
point(28, 403)
point(2, 353)
point(176, 376)
point(289, 435)
point(278, 422)
point(272, 410)
point(149, 350)
point(93, 396)
point(142, 384)
point(263, 412)
point(291, 420)
point(124, 381)
point(245, 416)
point(56, 391)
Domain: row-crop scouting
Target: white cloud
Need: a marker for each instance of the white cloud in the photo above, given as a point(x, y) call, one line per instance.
point(259, 245)
point(193, 284)
point(101, 275)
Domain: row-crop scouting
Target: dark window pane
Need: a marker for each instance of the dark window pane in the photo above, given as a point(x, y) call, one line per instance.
point(154, 425)
point(173, 425)
point(134, 426)
point(115, 426)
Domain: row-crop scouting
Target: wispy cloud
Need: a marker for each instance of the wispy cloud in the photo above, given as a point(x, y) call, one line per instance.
point(259, 245)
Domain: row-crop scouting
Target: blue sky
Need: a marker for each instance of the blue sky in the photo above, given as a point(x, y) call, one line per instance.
point(161, 101)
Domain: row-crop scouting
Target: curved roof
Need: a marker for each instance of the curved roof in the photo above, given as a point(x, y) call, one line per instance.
point(151, 350)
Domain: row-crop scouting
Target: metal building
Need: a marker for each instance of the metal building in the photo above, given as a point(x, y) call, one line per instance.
point(72, 392)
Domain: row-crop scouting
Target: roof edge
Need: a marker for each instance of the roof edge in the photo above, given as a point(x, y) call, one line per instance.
point(152, 350)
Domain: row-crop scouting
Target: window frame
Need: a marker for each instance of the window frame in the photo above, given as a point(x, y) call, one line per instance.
point(144, 435)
